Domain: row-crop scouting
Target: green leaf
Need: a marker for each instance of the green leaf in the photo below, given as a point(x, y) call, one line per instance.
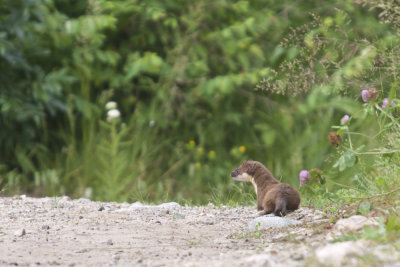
point(347, 160)
point(364, 208)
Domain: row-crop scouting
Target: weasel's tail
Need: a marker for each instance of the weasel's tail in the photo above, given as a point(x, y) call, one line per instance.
point(280, 207)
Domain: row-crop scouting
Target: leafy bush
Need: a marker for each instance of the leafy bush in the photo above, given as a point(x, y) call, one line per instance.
point(32, 85)
point(182, 74)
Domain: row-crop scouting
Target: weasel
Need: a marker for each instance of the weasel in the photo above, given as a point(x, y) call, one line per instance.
point(272, 195)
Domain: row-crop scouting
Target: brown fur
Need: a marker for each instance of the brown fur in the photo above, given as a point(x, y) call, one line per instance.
point(272, 195)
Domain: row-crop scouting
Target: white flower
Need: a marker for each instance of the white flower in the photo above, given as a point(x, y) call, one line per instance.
point(88, 192)
point(152, 123)
point(111, 105)
point(113, 114)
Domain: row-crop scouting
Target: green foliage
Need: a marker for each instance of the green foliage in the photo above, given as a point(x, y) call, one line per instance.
point(364, 208)
point(347, 160)
point(367, 164)
point(183, 74)
point(32, 84)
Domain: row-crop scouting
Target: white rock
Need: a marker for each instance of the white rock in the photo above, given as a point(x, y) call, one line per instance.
point(336, 254)
point(386, 253)
point(65, 198)
point(354, 223)
point(84, 200)
point(20, 232)
point(262, 260)
point(319, 221)
point(169, 205)
point(136, 205)
point(125, 205)
point(318, 217)
point(266, 222)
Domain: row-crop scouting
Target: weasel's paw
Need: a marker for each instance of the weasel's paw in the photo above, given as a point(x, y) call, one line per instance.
point(261, 213)
point(264, 213)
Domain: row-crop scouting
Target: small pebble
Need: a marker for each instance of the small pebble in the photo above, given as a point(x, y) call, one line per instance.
point(297, 257)
point(114, 259)
point(179, 216)
point(20, 232)
point(318, 217)
point(117, 257)
point(165, 212)
point(45, 227)
point(110, 242)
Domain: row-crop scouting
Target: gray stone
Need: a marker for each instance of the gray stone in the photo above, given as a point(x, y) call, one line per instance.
point(261, 260)
point(338, 253)
point(169, 205)
point(351, 224)
point(354, 223)
point(266, 222)
point(319, 221)
point(318, 217)
point(297, 257)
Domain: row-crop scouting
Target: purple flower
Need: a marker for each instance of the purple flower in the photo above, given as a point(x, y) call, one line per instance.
point(385, 102)
point(304, 177)
point(344, 120)
point(365, 95)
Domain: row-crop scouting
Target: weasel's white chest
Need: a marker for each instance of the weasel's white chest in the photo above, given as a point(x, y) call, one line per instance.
point(255, 185)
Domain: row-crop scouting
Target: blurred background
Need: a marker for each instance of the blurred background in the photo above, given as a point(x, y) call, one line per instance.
point(157, 100)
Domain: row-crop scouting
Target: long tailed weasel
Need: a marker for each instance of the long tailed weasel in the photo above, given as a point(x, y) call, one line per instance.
point(272, 195)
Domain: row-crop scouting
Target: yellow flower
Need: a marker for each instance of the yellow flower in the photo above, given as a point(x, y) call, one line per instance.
point(211, 154)
point(200, 150)
point(192, 143)
point(197, 165)
point(242, 149)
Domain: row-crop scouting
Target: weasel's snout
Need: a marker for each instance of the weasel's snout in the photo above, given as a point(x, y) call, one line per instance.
point(235, 173)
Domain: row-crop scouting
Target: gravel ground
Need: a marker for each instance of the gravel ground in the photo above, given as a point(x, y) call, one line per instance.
point(58, 231)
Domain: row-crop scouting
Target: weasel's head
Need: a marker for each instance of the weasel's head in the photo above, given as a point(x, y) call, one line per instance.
point(246, 171)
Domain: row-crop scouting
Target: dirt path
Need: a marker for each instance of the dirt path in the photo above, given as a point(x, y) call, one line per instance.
point(60, 231)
